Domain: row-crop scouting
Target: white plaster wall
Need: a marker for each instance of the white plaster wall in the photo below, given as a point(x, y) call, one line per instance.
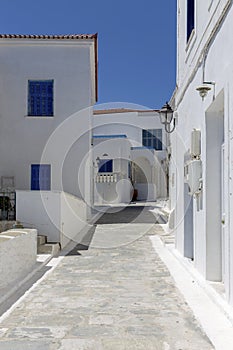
point(73, 219)
point(58, 215)
point(128, 123)
point(69, 64)
point(192, 113)
point(131, 124)
point(67, 150)
point(207, 15)
point(188, 120)
point(40, 210)
point(149, 162)
point(18, 251)
point(119, 150)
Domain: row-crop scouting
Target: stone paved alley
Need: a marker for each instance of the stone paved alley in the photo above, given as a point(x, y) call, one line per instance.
point(116, 295)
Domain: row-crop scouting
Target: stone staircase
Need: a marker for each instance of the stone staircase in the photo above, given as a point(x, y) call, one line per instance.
point(167, 236)
point(44, 247)
point(164, 214)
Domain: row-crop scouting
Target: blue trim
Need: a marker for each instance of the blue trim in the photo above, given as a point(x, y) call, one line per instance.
point(142, 147)
point(120, 136)
point(40, 177)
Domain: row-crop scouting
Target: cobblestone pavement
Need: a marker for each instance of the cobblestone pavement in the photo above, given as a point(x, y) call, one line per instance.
point(105, 298)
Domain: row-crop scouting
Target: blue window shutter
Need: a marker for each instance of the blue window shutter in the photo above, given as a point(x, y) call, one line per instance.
point(40, 177)
point(35, 170)
point(40, 97)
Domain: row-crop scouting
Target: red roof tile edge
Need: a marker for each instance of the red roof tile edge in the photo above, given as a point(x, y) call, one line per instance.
point(123, 110)
point(60, 37)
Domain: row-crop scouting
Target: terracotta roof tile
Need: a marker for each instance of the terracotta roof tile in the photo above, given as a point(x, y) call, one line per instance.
point(122, 110)
point(62, 37)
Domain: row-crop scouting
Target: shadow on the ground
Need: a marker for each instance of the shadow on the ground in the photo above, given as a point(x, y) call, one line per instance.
point(136, 215)
point(84, 244)
point(117, 215)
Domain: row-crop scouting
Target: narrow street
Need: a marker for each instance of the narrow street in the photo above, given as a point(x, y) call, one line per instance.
point(116, 295)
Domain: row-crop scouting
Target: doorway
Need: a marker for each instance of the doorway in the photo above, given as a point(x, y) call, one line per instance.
point(188, 223)
point(214, 180)
point(223, 212)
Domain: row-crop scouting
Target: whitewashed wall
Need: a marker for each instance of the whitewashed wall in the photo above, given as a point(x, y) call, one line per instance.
point(119, 150)
point(131, 123)
point(70, 64)
point(18, 252)
point(128, 123)
point(58, 215)
point(155, 172)
point(206, 53)
point(73, 219)
point(40, 210)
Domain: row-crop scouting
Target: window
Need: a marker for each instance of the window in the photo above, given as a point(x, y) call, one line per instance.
point(190, 17)
point(40, 98)
point(40, 177)
point(105, 166)
point(152, 138)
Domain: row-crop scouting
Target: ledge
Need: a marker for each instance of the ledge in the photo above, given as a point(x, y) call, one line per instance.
point(18, 251)
point(45, 117)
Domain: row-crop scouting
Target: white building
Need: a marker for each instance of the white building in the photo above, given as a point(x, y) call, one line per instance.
point(129, 155)
point(201, 170)
point(48, 86)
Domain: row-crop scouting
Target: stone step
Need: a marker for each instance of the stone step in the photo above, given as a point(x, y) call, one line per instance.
point(168, 239)
point(49, 248)
point(164, 214)
point(41, 239)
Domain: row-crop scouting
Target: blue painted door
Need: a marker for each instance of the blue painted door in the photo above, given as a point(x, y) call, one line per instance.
point(40, 177)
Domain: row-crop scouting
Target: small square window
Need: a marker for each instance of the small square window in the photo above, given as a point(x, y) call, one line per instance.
point(40, 98)
point(152, 138)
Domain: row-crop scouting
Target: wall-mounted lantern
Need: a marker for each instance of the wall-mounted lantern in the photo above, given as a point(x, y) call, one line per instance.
point(204, 88)
point(166, 118)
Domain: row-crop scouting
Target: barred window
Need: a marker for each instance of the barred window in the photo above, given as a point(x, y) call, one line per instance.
point(40, 98)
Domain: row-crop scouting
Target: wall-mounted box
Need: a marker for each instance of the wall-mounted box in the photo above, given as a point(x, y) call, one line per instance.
point(196, 143)
point(193, 175)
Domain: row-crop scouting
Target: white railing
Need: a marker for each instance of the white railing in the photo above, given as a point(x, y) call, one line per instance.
point(107, 177)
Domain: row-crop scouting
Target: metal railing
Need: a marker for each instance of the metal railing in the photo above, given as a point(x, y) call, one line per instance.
point(7, 205)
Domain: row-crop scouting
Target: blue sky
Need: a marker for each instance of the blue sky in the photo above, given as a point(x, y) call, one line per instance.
point(137, 41)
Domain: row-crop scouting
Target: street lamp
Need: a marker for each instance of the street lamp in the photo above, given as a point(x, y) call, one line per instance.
point(166, 118)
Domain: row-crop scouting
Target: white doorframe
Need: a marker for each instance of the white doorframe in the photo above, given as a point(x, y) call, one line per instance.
point(223, 212)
